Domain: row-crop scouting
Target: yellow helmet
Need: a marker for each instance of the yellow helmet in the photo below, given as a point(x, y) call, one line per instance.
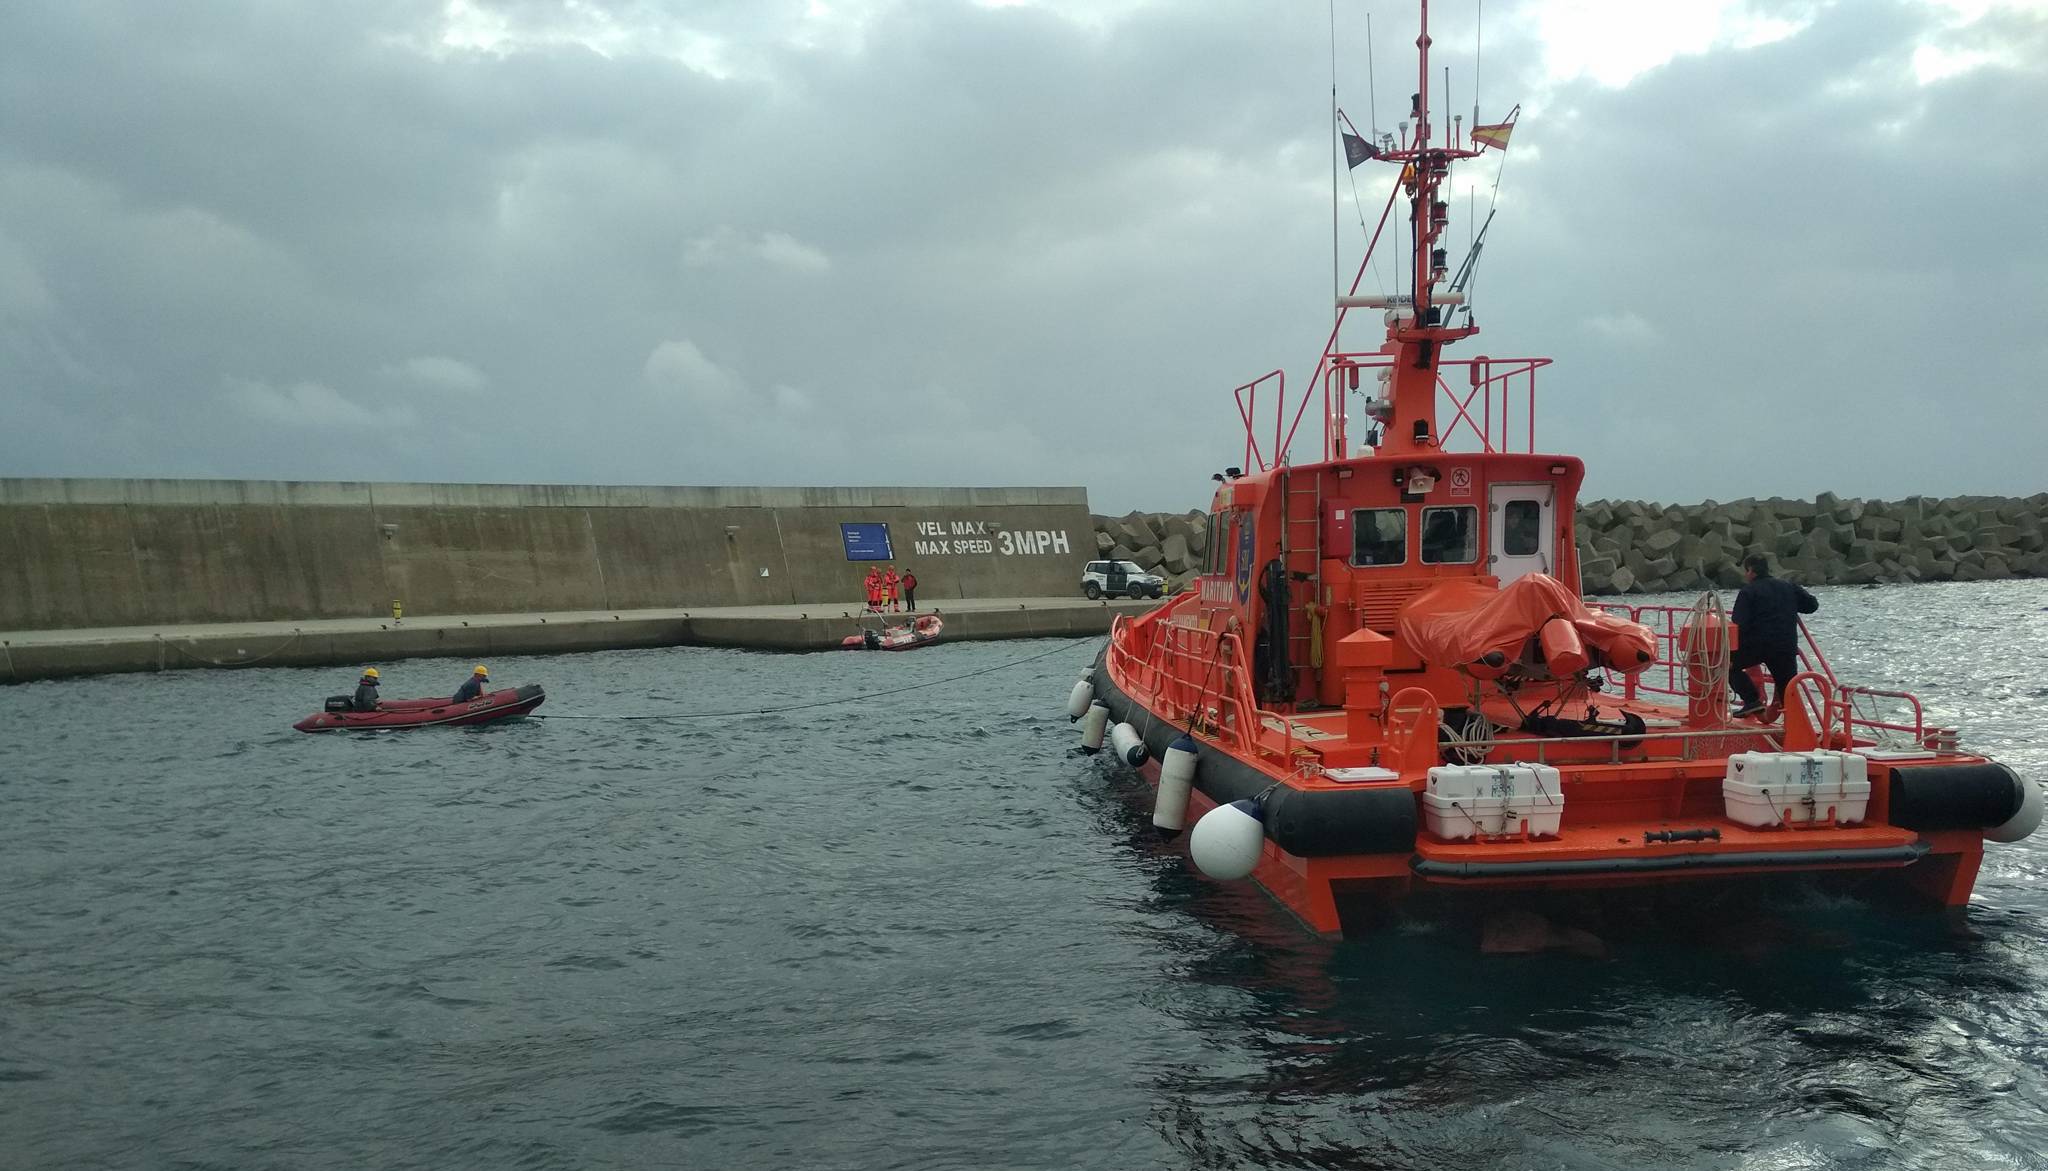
point(370, 673)
point(481, 670)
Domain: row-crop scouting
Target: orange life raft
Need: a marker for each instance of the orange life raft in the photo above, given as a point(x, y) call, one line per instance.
point(1532, 622)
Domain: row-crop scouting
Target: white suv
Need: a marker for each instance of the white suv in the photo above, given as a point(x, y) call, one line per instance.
point(1114, 578)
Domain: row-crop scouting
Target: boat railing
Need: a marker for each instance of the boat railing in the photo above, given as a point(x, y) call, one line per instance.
point(1861, 708)
point(1247, 409)
point(1864, 717)
point(1198, 676)
point(1494, 407)
point(1668, 676)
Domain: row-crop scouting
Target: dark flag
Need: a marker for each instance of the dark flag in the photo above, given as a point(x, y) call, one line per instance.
point(1357, 150)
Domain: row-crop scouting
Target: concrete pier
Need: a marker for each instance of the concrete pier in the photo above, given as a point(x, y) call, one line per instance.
point(88, 554)
point(49, 654)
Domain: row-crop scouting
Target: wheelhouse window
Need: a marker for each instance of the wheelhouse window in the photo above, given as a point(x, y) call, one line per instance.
point(1212, 553)
point(1379, 536)
point(1522, 534)
point(1450, 536)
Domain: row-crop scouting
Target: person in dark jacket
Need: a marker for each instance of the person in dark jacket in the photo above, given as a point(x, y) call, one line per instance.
point(1767, 631)
point(910, 591)
point(473, 686)
point(365, 699)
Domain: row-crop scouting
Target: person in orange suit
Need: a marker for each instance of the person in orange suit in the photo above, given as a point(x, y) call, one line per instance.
point(890, 584)
point(874, 585)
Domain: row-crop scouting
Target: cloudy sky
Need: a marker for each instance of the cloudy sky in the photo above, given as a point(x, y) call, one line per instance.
point(1775, 247)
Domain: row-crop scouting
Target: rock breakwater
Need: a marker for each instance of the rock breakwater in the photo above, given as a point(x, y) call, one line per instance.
point(1631, 546)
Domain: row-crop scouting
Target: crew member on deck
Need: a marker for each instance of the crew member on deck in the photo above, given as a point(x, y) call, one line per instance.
point(473, 686)
point(365, 699)
point(1767, 623)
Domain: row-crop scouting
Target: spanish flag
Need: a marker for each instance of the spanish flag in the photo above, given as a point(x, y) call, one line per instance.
point(1495, 136)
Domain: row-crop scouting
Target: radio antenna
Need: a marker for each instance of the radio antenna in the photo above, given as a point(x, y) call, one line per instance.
point(1336, 277)
point(1372, 96)
point(1478, 44)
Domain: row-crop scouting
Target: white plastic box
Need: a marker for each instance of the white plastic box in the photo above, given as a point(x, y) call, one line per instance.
point(1464, 801)
point(1362, 775)
point(1796, 788)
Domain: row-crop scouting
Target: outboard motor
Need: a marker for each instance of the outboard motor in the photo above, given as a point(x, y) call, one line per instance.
point(341, 703)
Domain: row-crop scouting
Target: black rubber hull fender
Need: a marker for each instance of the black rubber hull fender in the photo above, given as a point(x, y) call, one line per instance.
point(1308, 823)
point(1955, 796)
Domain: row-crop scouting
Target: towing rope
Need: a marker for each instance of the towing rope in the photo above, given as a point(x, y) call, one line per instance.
point(797, 707)
point(162, 642)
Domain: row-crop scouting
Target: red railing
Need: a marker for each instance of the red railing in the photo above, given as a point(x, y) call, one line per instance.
point(1488, 376)
point(1485, 410)
point(1667, 623)
point(1247, 407)
point(1856, 715)
point(1198, 677)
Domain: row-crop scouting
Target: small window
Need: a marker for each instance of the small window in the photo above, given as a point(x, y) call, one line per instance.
point(1523, 528)
point(1098, 567)
point(1379, 536)
point(1212, 552)
point(1450, 536)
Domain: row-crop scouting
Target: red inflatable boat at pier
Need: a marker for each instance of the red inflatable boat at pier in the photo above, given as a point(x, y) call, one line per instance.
point(925, 629)
point(425, 713)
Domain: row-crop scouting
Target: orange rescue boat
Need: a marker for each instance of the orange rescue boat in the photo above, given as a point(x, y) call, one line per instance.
point(1384, 683)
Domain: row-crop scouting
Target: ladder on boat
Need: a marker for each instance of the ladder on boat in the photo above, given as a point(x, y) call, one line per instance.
point(1301, 515)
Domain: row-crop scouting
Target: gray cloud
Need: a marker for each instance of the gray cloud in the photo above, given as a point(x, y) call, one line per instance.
point(906, 243)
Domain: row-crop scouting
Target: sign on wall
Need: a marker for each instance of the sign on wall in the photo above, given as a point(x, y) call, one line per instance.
point(938, 538)
point(866, 542)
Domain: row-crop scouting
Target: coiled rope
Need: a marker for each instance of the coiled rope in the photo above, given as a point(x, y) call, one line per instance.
point(797, 707)
point(1458, 743)
point(1711, 654)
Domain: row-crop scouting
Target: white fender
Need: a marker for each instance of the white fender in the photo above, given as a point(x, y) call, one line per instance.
point(1128, 744)
point(2026, 821)
point(1176, 778)
point(1227, 841)
point(1079, 698)
point(1093, 725)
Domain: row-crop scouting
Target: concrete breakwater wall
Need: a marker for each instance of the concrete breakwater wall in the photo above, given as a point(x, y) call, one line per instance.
point(110, 553)
point(1628, 546)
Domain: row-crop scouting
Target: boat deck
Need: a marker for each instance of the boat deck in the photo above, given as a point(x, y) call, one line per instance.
point(1323, 732)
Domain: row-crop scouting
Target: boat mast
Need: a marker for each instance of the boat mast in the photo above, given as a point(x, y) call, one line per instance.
point(1417, 325)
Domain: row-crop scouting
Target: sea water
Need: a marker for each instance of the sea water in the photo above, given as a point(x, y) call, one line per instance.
point(912, 930)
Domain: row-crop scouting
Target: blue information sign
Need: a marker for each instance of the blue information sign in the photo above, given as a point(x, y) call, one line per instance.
point(867, 542)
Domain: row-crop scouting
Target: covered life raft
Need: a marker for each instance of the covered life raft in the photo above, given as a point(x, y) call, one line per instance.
point(925, 628)
point(425, 713)
point(1533, 626)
